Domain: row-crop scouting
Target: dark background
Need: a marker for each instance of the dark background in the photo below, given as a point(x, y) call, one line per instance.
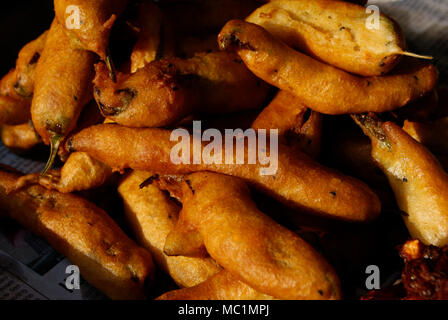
point(20, 22)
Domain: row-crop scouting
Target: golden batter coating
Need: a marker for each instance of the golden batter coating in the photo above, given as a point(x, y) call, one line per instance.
point(319, 86)
point(79, 172)
point(222, 286)
point(19, 137)
point(84, 233)
point(152, 215)
point(334, 32)
point(416, 177)
point(247, 243)
point(26, 64)
point(165, 91)
point(17, 86)
point(299, 181)
point(149, 97)
point(7, 84)
point(62, 88)
point(351, 151)
point(62, 85)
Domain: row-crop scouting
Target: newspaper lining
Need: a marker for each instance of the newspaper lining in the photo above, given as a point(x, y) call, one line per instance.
point(30, 269)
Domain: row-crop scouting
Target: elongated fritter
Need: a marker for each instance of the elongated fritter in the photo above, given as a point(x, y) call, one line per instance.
point(322, 87)
point(335, 32)
point(298, 181)
point(18, 83)
point(26, 64)
point(416, 177)
point(17, 86)
point(152, 216)
point(149, 97)
point(270, 258)
point(62, 85)
point(166, 91)
point(82, 232)
point(62, 88)
point(222, 286)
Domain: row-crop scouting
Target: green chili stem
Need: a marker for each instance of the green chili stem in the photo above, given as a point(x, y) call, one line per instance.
point(55, 140)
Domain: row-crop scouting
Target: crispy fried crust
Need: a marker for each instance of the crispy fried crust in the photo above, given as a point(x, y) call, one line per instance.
point(19, 137)
point(334, 32)
point(79, 172)
point(247, 243)
point(222, 286)
point(149, 97)
point(299, 181)
point(85, 234)
point(96, 17)
point(295, 127)
point(62, 85)
point(322, 87)
point(18, 83)
point(166, 91)
point(26, 64)
point(417, 179)
point(17, 86)
point(152, 215)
